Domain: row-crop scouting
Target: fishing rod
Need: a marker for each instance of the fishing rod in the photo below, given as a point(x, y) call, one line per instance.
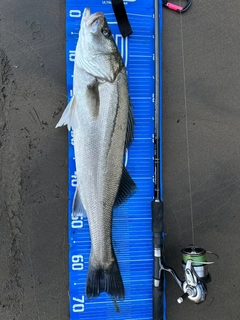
point(157, 204)
point(194, 260)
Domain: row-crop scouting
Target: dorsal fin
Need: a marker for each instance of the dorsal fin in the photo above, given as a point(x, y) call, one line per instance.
point(127, 188)
point(130, 126)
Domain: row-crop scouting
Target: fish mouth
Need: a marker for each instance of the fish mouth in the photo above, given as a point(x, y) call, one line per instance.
point(90, 20)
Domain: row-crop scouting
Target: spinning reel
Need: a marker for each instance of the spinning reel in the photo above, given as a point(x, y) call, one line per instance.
point(196, 274)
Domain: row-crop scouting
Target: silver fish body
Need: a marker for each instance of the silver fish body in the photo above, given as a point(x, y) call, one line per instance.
point(100, 114)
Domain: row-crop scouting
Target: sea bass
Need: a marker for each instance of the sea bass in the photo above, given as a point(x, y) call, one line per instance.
point(100, 114)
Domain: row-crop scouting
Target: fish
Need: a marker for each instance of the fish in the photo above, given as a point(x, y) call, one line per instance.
point(101, 117)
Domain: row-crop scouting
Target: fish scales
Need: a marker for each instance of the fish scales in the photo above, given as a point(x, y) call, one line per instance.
point(100, 169)
point(101, 118)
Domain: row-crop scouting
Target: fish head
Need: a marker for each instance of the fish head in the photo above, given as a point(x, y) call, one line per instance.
point(96, 34)
point(99, 54)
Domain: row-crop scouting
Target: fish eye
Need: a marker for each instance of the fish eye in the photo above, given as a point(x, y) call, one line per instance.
point(106, 32)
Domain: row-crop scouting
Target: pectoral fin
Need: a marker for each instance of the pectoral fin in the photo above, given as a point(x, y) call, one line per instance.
point(93, 100)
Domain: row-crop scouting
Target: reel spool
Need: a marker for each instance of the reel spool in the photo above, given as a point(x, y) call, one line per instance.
point(199, 261)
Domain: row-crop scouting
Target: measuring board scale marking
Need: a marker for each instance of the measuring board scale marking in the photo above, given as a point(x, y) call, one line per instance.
point(132, 221)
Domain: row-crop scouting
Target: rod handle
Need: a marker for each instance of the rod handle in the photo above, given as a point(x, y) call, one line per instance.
point(158, 302)
point(157, 217)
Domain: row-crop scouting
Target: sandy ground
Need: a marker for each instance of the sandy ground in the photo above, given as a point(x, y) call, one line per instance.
point(201, 74)
point(208, 38)
point(33, 160)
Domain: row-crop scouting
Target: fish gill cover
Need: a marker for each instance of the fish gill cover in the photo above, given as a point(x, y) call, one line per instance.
point(132, 235)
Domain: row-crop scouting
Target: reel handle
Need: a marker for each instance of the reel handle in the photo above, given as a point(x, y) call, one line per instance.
point(182, 298)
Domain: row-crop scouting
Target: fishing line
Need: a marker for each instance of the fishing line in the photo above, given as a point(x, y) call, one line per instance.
point(194, 259)
point(187, 129)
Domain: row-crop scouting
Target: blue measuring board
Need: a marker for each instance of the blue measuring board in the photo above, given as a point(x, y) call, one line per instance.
point(132, 235)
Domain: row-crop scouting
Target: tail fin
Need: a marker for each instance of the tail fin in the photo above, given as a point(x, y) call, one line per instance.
point(109, 280)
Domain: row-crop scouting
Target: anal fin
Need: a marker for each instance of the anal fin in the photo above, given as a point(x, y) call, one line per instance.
point(77, 207)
